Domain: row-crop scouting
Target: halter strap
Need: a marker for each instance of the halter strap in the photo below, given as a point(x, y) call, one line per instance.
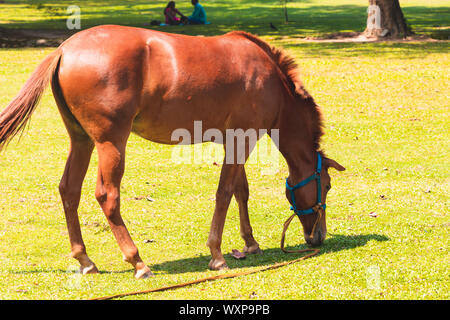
point(318, 207)
point(314, 176)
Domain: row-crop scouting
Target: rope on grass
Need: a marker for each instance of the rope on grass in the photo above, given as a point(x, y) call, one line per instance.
point(212, 278)
point(227, 275)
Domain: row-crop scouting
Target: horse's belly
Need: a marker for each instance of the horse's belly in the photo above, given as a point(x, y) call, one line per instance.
point(175, 124)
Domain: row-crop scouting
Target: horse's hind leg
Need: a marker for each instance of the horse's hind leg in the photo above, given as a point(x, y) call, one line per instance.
point(241, 194)
point(70, 190)
point(111, 157)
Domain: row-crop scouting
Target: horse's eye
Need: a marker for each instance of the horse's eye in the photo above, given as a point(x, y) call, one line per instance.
point(328, 187)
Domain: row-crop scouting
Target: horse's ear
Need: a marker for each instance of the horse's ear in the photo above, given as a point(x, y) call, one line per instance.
point(333, 164)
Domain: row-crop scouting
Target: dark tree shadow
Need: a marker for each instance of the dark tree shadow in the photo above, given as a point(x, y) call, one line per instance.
point(398, 50)
point(269, 256)
point(225, 16)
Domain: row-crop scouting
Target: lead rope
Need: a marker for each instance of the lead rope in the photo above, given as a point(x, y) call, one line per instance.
point(317, 208)
point(230, 275)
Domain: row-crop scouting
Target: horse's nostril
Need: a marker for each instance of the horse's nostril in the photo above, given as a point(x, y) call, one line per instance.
point(316, 238)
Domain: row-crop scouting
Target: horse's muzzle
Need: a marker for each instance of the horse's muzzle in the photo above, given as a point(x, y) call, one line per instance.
point(316, 239)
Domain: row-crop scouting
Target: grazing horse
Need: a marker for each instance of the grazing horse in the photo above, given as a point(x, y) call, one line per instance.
point(110, 80)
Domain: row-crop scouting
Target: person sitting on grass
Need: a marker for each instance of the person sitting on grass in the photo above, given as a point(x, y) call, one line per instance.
point(199, 14)
point(170, 12)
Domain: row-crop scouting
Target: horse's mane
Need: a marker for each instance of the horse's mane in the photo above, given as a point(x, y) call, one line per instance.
point(289, 69)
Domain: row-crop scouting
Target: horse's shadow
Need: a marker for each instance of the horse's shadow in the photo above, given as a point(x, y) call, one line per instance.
point(269, 256)
point(335, 243)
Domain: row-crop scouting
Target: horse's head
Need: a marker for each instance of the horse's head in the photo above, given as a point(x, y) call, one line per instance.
point(308, 198)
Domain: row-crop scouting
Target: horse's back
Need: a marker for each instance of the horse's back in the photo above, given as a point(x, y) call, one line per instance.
point(167, 81)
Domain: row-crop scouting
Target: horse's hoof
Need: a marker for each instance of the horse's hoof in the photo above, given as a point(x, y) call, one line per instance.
point(252, 249)
point(143, 273)
point(217, 265)
point(91, 269)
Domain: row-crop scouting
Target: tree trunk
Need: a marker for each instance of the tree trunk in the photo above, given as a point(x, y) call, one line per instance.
point(286, 19)
point(284, 2)
point(385, 18)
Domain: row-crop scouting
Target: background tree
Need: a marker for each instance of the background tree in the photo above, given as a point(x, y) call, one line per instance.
point(285, 11)
point(385, 17)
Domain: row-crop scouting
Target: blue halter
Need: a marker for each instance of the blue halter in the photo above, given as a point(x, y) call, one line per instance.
point(315, 176)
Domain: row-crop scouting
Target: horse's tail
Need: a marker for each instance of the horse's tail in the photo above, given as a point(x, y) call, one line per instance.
point(16, 115)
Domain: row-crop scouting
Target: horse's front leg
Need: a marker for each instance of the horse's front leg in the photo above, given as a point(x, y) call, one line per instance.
point(241, 194)
point(223, 197)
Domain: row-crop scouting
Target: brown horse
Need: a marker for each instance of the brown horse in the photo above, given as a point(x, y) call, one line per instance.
point(109, 81)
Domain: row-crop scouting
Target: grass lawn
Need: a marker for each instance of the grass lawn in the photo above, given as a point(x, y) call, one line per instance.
point(386, 114)
point(307, 17)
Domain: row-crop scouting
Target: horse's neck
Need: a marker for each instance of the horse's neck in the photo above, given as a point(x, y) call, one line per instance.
point(296, 143)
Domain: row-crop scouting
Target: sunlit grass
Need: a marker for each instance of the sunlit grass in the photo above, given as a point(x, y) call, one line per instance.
point(386, 118)
point(386, 114)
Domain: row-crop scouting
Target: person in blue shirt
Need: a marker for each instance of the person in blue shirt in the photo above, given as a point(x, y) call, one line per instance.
point(199, 14)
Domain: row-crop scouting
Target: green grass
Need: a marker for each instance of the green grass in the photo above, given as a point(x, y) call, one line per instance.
point(307, 17)
point(386, 114)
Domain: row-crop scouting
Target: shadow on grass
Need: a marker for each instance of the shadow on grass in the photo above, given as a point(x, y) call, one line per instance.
point(67, 271)
point(269, 256)
point(224, 16)
point(397, 50)
point(227, 16)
